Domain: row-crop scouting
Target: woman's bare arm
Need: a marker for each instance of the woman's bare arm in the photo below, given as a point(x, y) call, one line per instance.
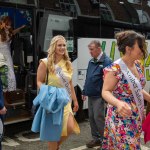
point(110, 81)
point(41, 74)
point(18, 29)
point(74, 98)
point(146, 96)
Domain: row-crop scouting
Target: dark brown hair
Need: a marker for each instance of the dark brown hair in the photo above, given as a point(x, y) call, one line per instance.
point(7, 21)
point(128, 38)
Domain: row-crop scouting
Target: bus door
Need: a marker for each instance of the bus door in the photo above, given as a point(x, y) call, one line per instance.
point(23, 53)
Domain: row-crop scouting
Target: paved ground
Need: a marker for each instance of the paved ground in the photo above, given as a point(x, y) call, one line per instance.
point(29, 141)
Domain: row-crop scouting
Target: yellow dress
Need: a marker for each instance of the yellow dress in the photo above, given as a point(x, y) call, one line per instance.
point(53, 80)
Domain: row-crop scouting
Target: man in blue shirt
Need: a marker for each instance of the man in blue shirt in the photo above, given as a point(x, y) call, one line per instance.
point(92, 89)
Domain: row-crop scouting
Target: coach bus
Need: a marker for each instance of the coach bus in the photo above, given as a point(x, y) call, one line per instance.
point(33, 41)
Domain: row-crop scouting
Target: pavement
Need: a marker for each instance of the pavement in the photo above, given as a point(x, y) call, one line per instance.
point(27, 140)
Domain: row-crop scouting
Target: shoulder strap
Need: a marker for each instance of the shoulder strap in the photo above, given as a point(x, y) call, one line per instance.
point(46, 82)
point(46, 76)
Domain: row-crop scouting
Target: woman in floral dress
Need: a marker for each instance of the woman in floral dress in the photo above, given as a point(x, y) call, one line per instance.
point(124, 119)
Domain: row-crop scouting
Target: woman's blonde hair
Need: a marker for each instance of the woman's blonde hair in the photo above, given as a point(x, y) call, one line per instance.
point(51, 55)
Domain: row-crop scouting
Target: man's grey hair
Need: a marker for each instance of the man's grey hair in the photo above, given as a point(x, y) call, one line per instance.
point(96, 42)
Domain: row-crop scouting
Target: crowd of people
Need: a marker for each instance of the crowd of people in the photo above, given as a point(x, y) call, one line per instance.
point(120, 84)
point(117, 85)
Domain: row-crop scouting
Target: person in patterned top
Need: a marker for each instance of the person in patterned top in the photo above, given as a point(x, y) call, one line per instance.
point(124, 116)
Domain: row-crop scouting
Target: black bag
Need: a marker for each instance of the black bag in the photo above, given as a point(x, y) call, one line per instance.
point(16, 96)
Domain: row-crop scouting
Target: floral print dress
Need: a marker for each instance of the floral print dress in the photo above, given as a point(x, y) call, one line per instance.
point(5, 50)
point(122, 133)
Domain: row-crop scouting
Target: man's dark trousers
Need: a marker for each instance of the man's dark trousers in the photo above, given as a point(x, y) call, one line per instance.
point(96, 111)
point(93, 89)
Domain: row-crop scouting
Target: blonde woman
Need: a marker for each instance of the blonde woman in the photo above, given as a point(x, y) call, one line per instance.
point(58, 58)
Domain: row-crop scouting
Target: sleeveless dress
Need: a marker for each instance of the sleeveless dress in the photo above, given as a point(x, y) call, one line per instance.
point(5, 50)
point(122, 133)
point(53, 80)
